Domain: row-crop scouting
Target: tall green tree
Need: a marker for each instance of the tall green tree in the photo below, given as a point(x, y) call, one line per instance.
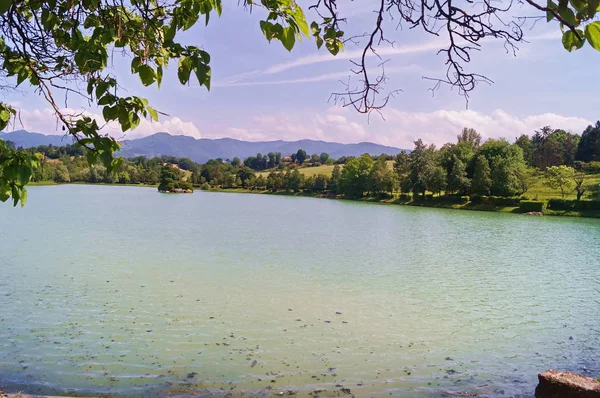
point(589, 145)
point(336, 176)
point(354, 181)
point(458, 182)
point(436, 180)
point(562, 178)
point(481, 182)
point(422, 160)
point(301, 156)
point(382, 179)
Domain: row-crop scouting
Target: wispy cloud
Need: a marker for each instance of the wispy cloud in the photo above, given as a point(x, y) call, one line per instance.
point(346, 55)
point(324, 77)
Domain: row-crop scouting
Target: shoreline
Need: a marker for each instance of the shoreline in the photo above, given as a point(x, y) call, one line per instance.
point(469, 206)
point(432, 203)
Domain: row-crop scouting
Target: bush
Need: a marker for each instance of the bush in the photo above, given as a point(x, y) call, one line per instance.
point(499, 201)
point(532, 205)
point(503, 201)
point(478, 199)
point(566, 204)
point(205, 186)
point(453, 199)
point(404, 197)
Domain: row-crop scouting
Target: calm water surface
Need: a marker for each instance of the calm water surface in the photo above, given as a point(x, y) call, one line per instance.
point(124, 290)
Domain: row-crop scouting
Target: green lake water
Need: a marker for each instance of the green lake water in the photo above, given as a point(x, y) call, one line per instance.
point(122, 290)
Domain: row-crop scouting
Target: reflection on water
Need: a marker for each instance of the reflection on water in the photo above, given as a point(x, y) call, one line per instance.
point(123, 290)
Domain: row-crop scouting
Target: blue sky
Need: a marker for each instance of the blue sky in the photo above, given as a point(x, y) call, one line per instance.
point(262, 92)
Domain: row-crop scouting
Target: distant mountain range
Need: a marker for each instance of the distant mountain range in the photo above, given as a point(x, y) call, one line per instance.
point(204, 149)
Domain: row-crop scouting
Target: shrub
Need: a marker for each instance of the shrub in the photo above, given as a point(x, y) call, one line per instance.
point(566, 204)
point(429, 196)
point(478, 199)
point(453, 199)
point(404, 197)
point(532, 205)
point(503, 201)
point(205, 186)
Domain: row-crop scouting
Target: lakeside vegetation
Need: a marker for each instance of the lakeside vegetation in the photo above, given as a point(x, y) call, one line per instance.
point(554, 172)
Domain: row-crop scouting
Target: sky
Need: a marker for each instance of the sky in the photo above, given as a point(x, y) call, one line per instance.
point(260, 91)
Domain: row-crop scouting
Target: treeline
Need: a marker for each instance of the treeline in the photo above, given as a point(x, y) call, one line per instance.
point(274, 160)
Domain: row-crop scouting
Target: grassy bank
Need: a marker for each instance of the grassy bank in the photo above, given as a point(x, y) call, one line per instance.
point(434, 202)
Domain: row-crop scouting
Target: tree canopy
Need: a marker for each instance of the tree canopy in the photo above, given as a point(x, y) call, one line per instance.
point(63, 47)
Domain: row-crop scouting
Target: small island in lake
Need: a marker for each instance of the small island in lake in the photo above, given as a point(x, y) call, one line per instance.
point(171, 180)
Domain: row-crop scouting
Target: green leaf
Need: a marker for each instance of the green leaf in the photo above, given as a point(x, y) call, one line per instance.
point(101, 89)
point(184, 69)
point(4, 115)
point(319, 41)
point(592, 33)
point(266, 26)
point(110, 113)
point(568, 16)
point(5, 5)
point(107, 99)
point(124, 119)
point(134, 120)
point(593, 7)
point(578, 4)
point(159, 75)
point(92, 157)
point(136, 62)
point(23, 197)
point(203, 74)
point(301, 20)
point(314, 28)
point(553, 6)
point(153, 113)
point(571, 42)
point(147, 75)
point(288, 38)
point(24, 174)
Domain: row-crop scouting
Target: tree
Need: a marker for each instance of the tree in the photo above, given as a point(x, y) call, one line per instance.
point(170, 177)
point(61, 174)
point(589, 145)
point(301, 156)
point(578, 178)
point(314, 159)
point(458, 182)
point(471, 136)
point(354, 181)
point(51, 43)
point(324, 157)
point(382, 180)
point(293, 180)
point(421, 160)
point(336, 176)
point(244, 174)
point(561, 177)
point(436, 179)
point(236, 162)
point(481, 182)
point(320, 183)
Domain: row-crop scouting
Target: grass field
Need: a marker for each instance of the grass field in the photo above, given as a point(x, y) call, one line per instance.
point(324, 169)
point(543, 192)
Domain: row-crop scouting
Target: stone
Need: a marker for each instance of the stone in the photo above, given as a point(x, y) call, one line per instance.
point(555, 384)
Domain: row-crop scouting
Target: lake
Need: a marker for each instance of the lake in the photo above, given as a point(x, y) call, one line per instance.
point(123, 290)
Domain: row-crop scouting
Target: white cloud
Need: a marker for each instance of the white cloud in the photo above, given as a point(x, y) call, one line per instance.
point(400, 128)
point(44, 121)
point(442, 126)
